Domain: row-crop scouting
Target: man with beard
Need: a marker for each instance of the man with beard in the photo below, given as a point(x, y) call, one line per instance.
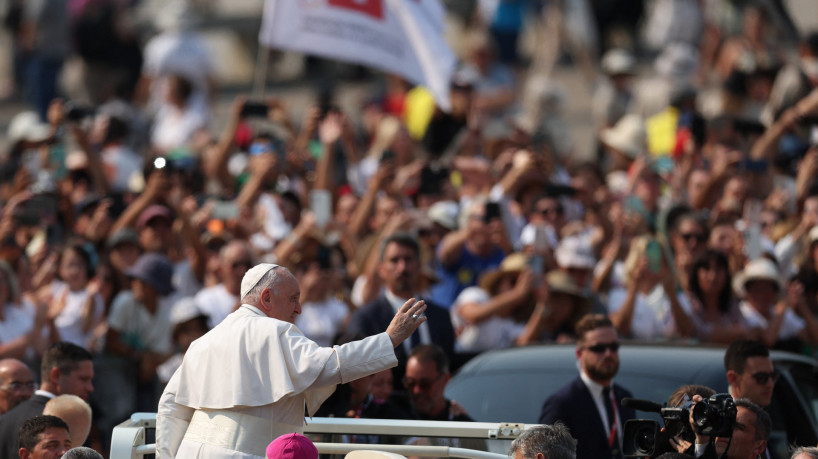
point(590, 406)
point(399, 269)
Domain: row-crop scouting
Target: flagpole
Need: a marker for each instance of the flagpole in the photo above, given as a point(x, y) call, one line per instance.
point(262, 66)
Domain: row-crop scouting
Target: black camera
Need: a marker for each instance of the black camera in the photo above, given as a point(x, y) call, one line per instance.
point(713, 417)
point(644, 438)
point(716, 416)
point(78, 112)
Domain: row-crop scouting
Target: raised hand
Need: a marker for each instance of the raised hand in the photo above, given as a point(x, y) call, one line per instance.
point(406, 321)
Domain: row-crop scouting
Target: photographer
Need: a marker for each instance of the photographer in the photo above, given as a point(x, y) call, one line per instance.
point(749, 439)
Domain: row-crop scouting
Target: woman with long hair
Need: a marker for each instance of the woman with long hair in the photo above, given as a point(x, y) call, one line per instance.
point(714, 308)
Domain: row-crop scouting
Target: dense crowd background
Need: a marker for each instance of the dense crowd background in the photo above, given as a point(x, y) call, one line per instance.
point(130, 211)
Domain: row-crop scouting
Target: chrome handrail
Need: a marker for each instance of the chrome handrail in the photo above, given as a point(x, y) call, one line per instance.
point(129, 438)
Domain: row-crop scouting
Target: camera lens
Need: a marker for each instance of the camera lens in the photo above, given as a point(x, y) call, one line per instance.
point(645, 440)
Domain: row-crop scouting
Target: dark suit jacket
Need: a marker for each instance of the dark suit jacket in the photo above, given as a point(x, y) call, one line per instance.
point(574, 406)
point(11, 421)
point(375, 317)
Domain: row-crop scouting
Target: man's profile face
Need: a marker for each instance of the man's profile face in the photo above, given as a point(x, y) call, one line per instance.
point(744, 444)
point(399, 269)
point(425, 386)
point(746, 384)
point(235, 262)
point(16, 386)
point(53, 443)
point(78, 382)
point(600, 366)
point(286, 302)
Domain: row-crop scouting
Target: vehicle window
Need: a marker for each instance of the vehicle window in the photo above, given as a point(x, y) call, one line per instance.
point(503, 397)
point(806, 380)
point(792, 419)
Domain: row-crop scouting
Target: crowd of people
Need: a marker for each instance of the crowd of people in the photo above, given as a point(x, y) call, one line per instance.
point(129, 216)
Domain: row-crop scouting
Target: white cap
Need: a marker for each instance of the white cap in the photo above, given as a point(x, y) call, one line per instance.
point(253, 275)
point(444, 213)
point(27, 126)
point(184, 310)
point(574, 252)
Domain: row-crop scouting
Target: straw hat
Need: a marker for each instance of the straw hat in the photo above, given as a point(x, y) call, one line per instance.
point(560, 282)
point(512, 264)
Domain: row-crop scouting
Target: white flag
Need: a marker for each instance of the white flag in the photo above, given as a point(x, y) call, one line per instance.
point(404, 37)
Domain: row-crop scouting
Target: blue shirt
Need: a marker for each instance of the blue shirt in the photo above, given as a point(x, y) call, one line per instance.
point(463, 273)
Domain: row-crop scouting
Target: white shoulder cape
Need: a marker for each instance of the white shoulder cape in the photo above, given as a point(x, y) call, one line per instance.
point(250, 360)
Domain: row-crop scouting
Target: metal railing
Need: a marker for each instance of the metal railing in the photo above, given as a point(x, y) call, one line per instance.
point(129, 440)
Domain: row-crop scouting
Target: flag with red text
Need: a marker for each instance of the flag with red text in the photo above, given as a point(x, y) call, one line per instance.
point(404, 37)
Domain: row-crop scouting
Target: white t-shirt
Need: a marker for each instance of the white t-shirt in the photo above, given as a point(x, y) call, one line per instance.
point(216, 302)
point(184, 280)
point(652, 317)
point(139, 328)
point(493, 333)
point(320, 322)
point(791, 326)
point(19, 318)
point(69, 323)
point(174, 128)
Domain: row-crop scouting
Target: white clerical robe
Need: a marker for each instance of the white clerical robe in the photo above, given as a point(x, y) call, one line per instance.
point(247, 382)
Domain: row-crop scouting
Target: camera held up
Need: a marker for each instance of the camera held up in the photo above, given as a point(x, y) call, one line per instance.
point(714, 417)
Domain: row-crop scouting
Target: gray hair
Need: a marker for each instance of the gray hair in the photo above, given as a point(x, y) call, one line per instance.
point(763, 424)
point(810, 451)
point(270, 280)
point(81, 452)
point(553, 441)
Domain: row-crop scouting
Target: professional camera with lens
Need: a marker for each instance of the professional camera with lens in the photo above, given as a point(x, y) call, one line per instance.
point(716, 416)
point(713, 417)
point(644, 438)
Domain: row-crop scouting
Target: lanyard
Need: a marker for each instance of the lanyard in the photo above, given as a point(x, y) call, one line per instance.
point(613, 435)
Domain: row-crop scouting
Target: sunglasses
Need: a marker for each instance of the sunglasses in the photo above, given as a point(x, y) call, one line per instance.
point(692, 236)
point(16, 385)
point(551, 210)
point(763, 377)
point(422, 384)
point(241, 263)
point(601, 348)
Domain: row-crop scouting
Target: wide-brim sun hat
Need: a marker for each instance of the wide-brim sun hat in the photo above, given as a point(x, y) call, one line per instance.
point(560, 282)
point(760, 269)
point(511, 264)
point(627, 136)
point(575, 252)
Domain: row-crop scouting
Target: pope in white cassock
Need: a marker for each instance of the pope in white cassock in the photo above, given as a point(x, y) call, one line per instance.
point(249, 379)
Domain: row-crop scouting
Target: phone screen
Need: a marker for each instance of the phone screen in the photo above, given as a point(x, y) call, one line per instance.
point(654, 253)
point(492, 211)
point(321, 206)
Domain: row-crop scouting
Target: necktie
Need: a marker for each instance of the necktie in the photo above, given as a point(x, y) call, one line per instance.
point(415, 339)
point(610, 410)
